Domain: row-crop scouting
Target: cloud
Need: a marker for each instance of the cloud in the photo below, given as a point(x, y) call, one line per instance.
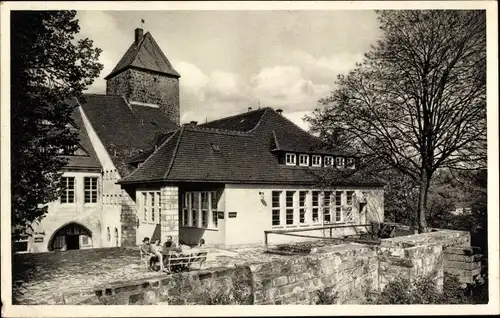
point(221, 93)
point(97, 26)
point(285, 86)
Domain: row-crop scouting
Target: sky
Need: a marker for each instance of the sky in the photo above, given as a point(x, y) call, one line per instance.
point(232, 60)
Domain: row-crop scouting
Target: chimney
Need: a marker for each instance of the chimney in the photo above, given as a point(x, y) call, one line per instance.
point(249, 109)
point(138, 35)
point(279, 111)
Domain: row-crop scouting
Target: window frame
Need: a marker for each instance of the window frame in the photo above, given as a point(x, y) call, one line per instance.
point(68, 190)
point(331, 161)
point(276, 208)
point(318, 159)
point(292, 157)
point(350, 163)
point(340, 162)
point(306, 157)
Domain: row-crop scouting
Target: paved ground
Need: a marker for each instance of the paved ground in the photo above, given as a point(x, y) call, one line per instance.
point(44, 277)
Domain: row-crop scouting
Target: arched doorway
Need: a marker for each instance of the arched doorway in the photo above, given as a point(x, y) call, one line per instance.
point(72, 236)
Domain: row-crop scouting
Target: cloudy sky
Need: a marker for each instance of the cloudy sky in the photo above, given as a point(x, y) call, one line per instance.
point(232, 60)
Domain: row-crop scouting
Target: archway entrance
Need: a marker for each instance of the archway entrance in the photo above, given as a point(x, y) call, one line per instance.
point(72, 236)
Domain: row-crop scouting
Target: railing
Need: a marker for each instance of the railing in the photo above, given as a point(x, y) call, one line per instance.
point(369, 228)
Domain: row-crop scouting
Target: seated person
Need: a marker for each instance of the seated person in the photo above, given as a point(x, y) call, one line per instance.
point(145, 246)
point(157, 255)
point(201, 243)
point(170, 246)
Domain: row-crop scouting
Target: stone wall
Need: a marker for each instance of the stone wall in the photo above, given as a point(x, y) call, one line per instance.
point(148, 87)
point(347, 270)
point(169, 217)
point(128, 219)
point(463, 262)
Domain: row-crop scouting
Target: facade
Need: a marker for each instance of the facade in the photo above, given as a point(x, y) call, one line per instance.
point(226, 181)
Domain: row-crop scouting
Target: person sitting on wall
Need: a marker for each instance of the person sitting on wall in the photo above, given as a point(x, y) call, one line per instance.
point(146, 249)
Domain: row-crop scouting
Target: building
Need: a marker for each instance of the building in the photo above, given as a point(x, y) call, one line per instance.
point(139, 173)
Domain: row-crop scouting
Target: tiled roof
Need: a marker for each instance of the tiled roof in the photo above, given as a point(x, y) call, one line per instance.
point(124, 130)
point(281, 133)
point(88, 158)
point(198, 154)
point(145, 55)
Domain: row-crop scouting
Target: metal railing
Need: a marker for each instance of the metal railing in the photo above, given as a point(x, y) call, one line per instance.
point(291, 232)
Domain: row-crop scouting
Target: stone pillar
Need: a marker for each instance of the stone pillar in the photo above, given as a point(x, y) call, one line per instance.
point(169, 218)
point(128, 218)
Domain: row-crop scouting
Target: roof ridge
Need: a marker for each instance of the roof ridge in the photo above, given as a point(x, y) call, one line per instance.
point(260, 119)
point(174, 153)
point(218, 130)
point(236, 115)
point(149, 157)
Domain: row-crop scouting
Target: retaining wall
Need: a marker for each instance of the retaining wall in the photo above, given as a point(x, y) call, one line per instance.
point(347, 270)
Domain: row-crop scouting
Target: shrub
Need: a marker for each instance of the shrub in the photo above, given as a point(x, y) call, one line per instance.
point(424, 291)
point(326, 296)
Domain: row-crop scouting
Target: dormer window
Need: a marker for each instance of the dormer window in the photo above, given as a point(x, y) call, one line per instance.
point(316, 161)
point(290, 159)
point(350, 163)
point(304, 160)
point(328, 161)
point(340, 162)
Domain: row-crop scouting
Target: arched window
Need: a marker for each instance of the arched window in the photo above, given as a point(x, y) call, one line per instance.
point(109, 235)
point(116, 236)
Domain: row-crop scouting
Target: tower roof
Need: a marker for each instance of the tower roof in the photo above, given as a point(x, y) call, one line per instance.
point(144, 54)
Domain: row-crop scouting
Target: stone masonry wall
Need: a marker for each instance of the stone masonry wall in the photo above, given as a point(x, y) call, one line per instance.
point(463, 262)
point(128, 220)
point(148, 87)
point(169, 217)
point(347, 270)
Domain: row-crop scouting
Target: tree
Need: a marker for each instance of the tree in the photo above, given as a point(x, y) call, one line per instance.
point(48, 68)
point(417, 102)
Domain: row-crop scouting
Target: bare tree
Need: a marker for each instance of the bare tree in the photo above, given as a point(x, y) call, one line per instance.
point(417, 102)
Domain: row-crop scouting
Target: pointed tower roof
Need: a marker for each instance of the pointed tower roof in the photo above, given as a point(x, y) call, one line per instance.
point(144, 54)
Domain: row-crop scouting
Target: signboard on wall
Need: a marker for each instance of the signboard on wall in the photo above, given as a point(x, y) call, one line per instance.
point(38, 239)
point(231, 214)
point(220, 215)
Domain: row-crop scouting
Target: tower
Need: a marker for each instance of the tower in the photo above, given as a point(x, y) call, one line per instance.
point(145, 76)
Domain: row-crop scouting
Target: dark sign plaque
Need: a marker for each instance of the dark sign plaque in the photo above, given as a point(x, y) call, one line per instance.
point(38, 239)
point(220, 215)
point(231, 214)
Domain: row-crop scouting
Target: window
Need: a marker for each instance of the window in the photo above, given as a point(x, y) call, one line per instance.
point(199, 209)
point(185, 209)
point(109, 235)
point(304, 160)
point(340, 162)
point(349, 197)
point(328, 161)
point(290, 159)
point(68, 186)
point(90, 184)
point(338, 206)
point(315, 207)
point(145, 206)
point(204, 209)
point(276, 207)
point(350, 163)
point(289, 207)
point(327, 217)
point(116, 237)
point(302, 207)
point(316, 161)
point(214, 200)
point(150, 204)
point(153, 212)
point(195, 204)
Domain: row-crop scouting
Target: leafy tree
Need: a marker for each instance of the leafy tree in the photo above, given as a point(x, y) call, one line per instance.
point(48, 68)
point(417, 102)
